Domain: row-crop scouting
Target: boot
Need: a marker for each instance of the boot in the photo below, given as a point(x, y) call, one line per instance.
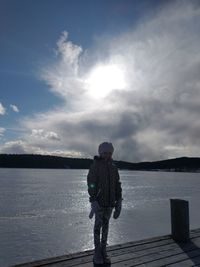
point(97, 258)
point(106, 258)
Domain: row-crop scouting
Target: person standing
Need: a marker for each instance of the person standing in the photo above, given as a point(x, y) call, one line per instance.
point(105, 195)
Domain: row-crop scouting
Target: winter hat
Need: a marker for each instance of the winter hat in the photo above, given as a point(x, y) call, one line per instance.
point(105, 147)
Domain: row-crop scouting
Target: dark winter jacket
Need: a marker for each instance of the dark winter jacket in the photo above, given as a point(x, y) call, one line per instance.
point(103, 182)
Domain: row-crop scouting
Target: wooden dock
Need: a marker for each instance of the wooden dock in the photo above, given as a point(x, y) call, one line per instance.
point(153, 252)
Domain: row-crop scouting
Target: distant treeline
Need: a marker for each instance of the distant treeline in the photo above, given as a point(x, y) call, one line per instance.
point(55, 162)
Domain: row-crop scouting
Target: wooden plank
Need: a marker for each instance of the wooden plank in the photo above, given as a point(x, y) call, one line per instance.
point(154, 260)
point(113, 253)
point(87, 259)
point(186, 263)
point(90, 252)
point(159, 258)
point(195, 230)
point(180, 251)
point(187, 246)
point(152, 245)
point(149, 246)
point(111, 249)
point(132, 253)
point(192, 255)
point(74, 263)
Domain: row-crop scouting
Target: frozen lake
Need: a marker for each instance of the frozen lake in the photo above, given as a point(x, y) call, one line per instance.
point(44, 213)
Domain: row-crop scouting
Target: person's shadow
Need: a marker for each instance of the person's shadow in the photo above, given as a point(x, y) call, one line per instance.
point(192, 251)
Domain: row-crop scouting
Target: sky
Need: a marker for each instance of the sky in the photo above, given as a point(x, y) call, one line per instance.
point(74, 74)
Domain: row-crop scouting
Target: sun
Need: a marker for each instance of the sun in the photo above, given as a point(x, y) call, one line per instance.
point(103, 79)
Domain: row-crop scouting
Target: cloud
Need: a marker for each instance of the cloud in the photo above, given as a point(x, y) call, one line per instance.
point(14, 108)
point(155, 117)
point(18, 147)
point(62, 76)
point(2, 130)
point(22, 147)
point(2, 109)
point(40, 133)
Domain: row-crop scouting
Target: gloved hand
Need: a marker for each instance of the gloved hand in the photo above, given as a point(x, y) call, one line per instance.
point(118, 207)
point(94, 208)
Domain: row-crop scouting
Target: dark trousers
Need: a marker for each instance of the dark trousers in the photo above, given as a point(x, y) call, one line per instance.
point(102, 218)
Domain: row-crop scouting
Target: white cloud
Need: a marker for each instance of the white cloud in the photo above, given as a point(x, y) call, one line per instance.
point(2, 109)
point(2, 130)
point(52, 135)
point(69, 51)
point(40, 133)
point(18, 147)
point(155, 117)
point(62, 77)
point(22, 147)
point(14, 108)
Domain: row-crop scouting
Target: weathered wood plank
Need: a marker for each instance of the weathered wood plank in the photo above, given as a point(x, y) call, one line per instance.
point(154, 260)
point(112, 252)
point(152, 252)
point(133, 254)
point(90, 252)
point(141, 257)
point(186, 263)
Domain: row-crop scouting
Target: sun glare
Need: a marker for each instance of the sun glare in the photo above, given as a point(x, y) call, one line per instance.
point(103, 79)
